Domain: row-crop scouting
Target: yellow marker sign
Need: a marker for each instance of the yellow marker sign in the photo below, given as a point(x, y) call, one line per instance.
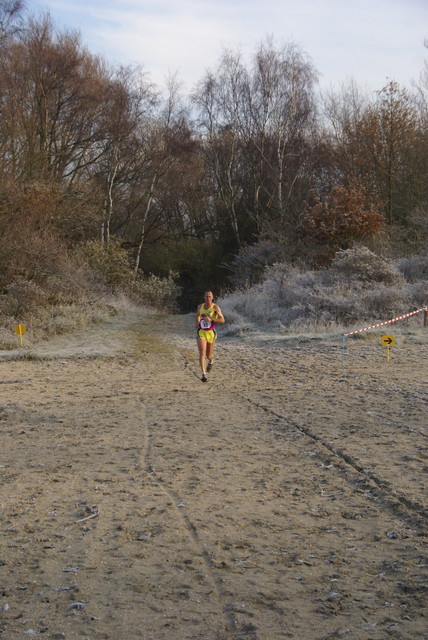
point(20, 329)
point(388, 342)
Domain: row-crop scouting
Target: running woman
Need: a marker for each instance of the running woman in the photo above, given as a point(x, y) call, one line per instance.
point(208, 315)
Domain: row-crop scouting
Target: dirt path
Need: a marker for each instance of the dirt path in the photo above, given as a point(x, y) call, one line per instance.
point(283, 499)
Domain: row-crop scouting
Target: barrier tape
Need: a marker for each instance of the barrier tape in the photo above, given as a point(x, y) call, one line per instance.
point(406, 315)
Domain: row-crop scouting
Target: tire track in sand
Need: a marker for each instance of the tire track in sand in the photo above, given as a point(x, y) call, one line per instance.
point(175, 500)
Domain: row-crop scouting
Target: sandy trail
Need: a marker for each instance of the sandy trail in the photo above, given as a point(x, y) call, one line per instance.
point(286, 498)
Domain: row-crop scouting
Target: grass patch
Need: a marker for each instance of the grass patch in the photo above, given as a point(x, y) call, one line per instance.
point(47, 322)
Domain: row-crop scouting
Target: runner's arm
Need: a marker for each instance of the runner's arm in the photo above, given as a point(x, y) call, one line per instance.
point(220, 317)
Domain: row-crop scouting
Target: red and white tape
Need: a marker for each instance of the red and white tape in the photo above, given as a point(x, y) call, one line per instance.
point(380, 324)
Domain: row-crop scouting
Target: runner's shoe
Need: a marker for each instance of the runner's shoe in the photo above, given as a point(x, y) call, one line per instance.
point(209, 366)
point(204, 377)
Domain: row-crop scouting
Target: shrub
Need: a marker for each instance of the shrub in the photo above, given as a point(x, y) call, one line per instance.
point(419, 293)
point(359, 286)
point(112, 265)
point(110, 262)
point(413, 268)
point(154, 291)
point(248, 267)
point(359, 263)
point(21, 298)
point(343, 216)
point(385, 301)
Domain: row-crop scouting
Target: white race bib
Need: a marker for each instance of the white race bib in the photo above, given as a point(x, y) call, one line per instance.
point(205, 324)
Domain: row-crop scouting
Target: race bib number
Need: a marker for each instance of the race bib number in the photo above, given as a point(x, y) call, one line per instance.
point(205, 324)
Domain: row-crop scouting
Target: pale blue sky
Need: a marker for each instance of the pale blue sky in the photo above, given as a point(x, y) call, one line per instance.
point(369, 41)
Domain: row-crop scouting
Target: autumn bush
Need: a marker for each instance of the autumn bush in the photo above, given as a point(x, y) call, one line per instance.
point(340, 218)
point(32, 251)
point(21, 297)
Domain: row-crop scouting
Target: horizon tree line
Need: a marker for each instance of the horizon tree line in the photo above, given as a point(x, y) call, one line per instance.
point(95, 153)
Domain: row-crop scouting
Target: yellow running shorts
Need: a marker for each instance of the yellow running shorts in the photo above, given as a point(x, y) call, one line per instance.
point(209, 335)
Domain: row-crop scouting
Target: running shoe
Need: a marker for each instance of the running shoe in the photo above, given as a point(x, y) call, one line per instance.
point(204, 378)
point(209, 366)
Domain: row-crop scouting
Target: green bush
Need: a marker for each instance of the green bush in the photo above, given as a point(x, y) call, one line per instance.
point(110, 262)
point(154, 291)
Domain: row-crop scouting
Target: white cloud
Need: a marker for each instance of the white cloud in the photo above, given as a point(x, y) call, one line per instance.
point(369, 40)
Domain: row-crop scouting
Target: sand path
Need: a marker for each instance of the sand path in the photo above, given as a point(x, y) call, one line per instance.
point(285, 498)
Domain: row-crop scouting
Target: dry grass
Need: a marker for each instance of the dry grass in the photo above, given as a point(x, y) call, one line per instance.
point(49, 321)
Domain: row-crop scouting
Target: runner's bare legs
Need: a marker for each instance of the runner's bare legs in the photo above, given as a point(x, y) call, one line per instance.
point(210, 354)
point(203, 349)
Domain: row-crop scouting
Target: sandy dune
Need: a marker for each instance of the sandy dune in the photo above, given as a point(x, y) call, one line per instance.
point(286, 498)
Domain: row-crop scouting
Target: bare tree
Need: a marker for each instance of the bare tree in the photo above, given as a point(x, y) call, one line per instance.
point(131, 100)
point(157, 158)
point(282, 112)
point(256, 125)
point(11, 14)
point(53, 101)
point(220, 100)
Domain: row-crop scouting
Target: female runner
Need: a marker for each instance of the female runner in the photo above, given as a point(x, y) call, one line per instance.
point(208, 315)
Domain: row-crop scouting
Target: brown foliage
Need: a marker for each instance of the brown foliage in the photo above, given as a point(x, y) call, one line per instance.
point(32, 249)
point(341, 218)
